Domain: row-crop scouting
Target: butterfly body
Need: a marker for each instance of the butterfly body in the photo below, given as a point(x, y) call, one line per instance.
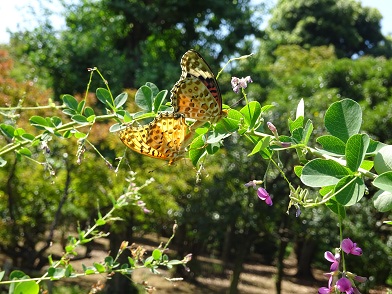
point(165, 137)
point(197, 94)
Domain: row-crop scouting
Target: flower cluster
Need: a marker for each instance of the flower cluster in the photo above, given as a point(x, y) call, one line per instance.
point(261, 192)
point(240, 83)
point(346, 283)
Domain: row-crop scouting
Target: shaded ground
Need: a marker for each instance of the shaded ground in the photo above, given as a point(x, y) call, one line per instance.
point(255, 279)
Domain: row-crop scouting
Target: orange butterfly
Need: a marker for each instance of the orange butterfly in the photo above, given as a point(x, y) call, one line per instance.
point(197, 94)
point(165, 137)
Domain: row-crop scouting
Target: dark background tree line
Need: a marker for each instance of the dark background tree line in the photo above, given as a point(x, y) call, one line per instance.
point(321, 51)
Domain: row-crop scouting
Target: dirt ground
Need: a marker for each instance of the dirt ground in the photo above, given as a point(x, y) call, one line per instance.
point(256, 278)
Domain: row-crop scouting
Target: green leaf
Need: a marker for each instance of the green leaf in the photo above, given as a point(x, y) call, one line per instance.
point(80, 119)
point(320, 172)
point(81, 106)
point(115, 128)
point(332, 144)
point(120, 100)
point(69, 112)
point(70, 102)
point(56, 273)
point(156, 254)
point(153, 88)
point(343, 119)
point(297, 135)
point(337, 208)
point(38, 121)
point(349, 190)
point(307, 132)
point(251, 113)
point(231, 122)
point(297, 123)
point(56, 121)
point(104, 96)
point(355, 150)
point(131, 262)
point(24, 151)
point(27, 287)
point(262, 146)
point(67, 134)
point(159, 98)
point(384, 181)
point(298, 170)
point(80, 135)
point(2, 275)
point(197, 149)
point(100, 268)
point(383, 160)
point(144, 98)
point(88, 111)
point(18, 275)
point(7, 130)
point(100, 222)
point(382, 201)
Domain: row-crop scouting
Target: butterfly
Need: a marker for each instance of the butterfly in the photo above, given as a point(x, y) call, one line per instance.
point(165, 137)
point(197, 94)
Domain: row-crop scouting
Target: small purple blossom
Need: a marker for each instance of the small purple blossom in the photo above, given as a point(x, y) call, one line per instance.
point(298, 212)
point(329, 289)
point(344, 285)
point(241, 83)
point(350, 247)
point(263, 195)
point(272, 127)
point(335, 259)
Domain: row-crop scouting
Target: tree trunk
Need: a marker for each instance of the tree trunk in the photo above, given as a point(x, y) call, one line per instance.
point(305, 252)
point(240, 255)
point(120, 284)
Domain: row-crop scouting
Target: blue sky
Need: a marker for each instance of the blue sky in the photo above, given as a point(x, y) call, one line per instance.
point(14, 14)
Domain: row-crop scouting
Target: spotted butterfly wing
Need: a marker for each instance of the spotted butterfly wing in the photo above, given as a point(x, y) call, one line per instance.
point(165, 137)
point(197, 94)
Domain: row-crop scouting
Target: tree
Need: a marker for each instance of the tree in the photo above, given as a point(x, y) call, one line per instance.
point(349, 27)
point(134, 41)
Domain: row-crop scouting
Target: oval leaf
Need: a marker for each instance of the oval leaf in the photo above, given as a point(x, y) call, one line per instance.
point(349, 190)
point(120, 100)
point(355, 151)
point(384, 181)
point(144, 97)
point(70, 101)
point(27, 287)
point(343, 119)
point(321, 172)
point(383, 200)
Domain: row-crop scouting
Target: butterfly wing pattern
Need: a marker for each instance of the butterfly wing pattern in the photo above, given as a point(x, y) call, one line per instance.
point(165, 137)
point(197, 94)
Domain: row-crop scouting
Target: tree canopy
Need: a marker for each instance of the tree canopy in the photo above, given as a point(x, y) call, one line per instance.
point(135, 41)
point(345, 24)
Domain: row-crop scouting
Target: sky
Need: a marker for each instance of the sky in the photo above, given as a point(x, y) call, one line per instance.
point(15, 15)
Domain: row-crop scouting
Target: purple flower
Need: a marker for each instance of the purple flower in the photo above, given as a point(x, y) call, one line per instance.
point(241, 83)
point(350, 247)
point(263, 195)
point(329, 289)
point(298, 212)
point(335, 259)
point(344, 285)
